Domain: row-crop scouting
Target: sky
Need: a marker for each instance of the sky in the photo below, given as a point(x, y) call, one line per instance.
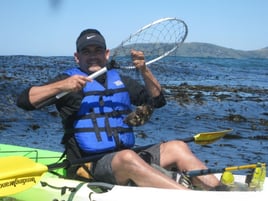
point(50, 27)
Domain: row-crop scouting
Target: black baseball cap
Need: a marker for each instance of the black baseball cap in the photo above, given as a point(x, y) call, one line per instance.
point(90, 37)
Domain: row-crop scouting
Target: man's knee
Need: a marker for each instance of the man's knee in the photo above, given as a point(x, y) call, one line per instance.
point(125, 156)
point(175, 144)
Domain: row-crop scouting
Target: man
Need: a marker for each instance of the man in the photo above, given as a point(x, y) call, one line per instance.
point(93, 116)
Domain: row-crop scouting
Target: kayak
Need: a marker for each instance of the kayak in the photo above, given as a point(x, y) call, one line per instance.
point(53, 187)
point(62, 189)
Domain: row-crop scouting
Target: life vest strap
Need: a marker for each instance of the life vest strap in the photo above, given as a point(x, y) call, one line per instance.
point(120, 130)
point(107, 92)
point(115, 113)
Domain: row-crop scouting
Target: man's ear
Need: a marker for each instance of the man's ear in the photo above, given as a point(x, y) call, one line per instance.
point(107, 55)
point(76, 58)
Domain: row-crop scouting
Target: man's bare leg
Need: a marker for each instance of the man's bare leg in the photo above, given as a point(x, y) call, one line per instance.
point(178, 153)
point(127, 165)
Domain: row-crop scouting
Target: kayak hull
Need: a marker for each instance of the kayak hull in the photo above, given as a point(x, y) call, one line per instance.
point(63, 189)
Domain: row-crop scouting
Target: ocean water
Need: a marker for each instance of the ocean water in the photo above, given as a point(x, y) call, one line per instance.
point(203, 95)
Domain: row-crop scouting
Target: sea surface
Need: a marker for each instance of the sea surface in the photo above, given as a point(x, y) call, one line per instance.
point(203, 95)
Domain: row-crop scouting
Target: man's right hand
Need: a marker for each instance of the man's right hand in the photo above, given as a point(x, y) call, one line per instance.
point(39, 94)
point(74, 83)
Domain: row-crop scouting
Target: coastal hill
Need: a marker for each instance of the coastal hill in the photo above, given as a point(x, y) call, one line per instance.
point(196, 49)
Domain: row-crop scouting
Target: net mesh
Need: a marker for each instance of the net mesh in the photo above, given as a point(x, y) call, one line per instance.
point(156, 40)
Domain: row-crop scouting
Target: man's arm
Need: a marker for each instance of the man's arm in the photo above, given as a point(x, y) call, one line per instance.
point(34, 96)
point(150, 94)
point(26, 101)
point(151, 83)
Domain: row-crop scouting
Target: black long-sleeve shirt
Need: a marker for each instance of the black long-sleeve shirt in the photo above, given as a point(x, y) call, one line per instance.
point(70, 104)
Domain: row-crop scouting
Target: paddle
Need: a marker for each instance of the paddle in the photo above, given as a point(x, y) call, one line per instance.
point(200, 138)
point(255, 180)
point(194, 173)
point(18, 173)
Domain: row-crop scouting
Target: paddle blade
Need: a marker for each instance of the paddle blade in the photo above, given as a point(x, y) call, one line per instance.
point(210, 137)
point(15, 185)
point(18, 173)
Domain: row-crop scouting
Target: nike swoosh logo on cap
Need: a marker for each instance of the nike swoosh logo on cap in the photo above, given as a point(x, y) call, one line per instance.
point(89, 37)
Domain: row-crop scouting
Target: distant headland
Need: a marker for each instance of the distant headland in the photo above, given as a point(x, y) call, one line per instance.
point(196, 49)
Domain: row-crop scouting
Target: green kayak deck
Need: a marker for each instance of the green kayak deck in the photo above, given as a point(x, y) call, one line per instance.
point(42, 156)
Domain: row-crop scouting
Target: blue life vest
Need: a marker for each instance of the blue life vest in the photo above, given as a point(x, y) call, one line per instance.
point(99, 125)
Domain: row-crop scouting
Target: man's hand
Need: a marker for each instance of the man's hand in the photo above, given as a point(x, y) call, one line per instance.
point(138, 59)
point(75, 83)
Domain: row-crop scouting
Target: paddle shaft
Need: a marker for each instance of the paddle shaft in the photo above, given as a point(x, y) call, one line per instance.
point(194, 173)
point(205, 138)
point(97, 156)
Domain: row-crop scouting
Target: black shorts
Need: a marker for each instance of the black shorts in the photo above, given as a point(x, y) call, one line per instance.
point(102, 169)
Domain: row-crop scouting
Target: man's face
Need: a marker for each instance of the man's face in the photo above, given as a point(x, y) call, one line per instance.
point(92, 58)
